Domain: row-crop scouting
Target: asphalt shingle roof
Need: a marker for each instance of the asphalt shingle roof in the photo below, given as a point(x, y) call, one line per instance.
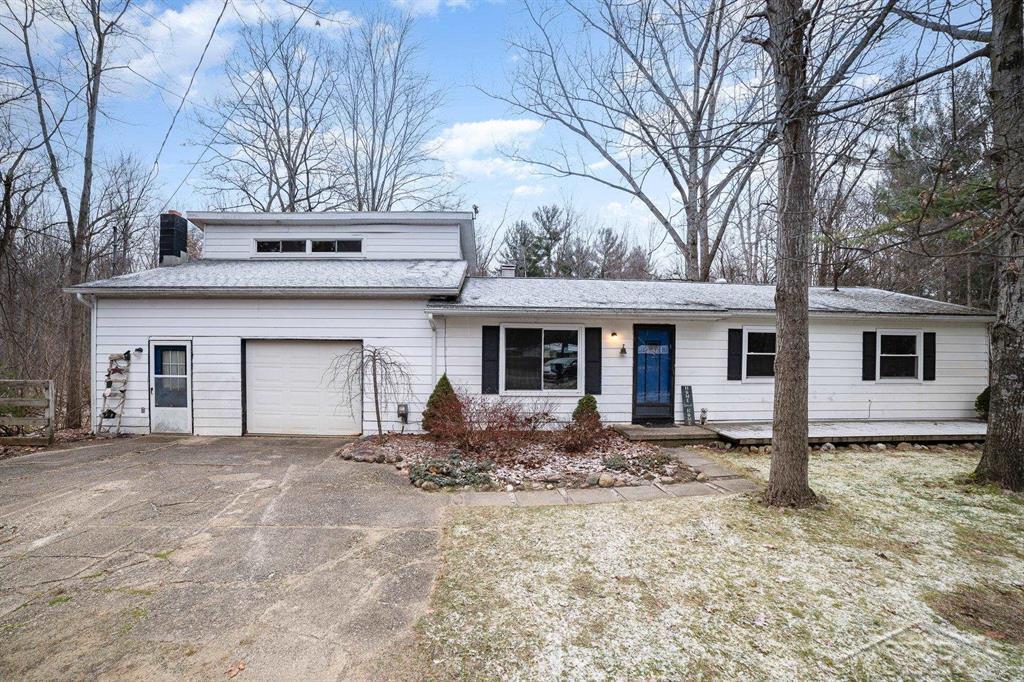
point(623, 296)
point(235, 276)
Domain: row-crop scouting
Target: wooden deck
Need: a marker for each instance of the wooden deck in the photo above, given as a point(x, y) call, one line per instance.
point(876, 431)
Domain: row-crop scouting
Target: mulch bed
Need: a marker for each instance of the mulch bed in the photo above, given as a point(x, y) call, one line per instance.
point(535, 463)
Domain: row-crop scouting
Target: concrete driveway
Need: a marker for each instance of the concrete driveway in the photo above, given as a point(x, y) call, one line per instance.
point(169, 558)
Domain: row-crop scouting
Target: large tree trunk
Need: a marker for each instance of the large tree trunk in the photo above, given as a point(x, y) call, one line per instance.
point(788, 483)
point(74, 391)
point(1003, 459)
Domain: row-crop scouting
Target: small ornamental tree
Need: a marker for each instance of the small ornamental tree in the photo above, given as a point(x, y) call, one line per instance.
point(443, 404)
point(383, 371)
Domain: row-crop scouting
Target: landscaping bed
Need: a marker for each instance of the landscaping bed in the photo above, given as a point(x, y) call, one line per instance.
point(475, 442)
point(535, 462)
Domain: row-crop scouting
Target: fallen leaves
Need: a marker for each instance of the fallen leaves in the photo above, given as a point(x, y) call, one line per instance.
point(236, 667)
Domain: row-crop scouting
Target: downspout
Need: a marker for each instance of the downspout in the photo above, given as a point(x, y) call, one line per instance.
point(91, 305)
point(433, 350)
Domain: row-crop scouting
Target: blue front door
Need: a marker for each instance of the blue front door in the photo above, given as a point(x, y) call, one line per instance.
point(653, 373)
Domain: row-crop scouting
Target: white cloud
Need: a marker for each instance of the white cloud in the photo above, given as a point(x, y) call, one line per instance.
point(422, 7)
point(172, 40)
point(464, 140)
point(528, 190)
point(471, 149)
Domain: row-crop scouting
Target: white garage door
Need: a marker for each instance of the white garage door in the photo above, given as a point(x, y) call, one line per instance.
point(288, 389)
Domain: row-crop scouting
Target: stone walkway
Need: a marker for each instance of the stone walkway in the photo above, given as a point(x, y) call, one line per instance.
point(719, 480)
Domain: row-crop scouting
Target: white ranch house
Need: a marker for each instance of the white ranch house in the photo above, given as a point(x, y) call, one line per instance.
point(238, 341)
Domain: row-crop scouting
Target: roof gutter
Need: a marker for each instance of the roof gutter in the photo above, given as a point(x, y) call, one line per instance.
point(493, 311)
point(80, 297)
point(264, 292)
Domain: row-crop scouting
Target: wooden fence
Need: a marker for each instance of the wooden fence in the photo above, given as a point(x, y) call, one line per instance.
point(28, 407)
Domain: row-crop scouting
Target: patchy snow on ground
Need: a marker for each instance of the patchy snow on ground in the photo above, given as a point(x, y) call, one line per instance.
point(722, 587)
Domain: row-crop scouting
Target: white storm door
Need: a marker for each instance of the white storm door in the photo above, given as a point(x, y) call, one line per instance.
point(170, 386)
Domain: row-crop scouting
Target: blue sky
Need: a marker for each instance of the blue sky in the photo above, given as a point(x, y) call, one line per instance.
point(463, 45)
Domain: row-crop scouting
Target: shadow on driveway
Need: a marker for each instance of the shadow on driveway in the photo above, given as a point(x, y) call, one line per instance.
point(161, 558)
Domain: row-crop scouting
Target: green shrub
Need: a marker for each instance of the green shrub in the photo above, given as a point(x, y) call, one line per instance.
point(585, 429)
point(453, 470)
point(981, 402)
point(616, 463)
point(586, 410)
point(443, 405)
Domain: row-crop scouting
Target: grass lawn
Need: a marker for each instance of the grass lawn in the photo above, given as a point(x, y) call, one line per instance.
point(723, 587)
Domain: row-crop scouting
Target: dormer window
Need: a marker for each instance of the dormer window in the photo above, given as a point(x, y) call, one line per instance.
point(281, 246)
point(309, 247)
point(337, 246)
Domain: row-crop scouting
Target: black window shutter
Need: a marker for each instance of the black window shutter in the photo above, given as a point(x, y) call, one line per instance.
point(735, 368)
point(867, 365)
point(489, 367)
point(929, 356)
point(592, 351)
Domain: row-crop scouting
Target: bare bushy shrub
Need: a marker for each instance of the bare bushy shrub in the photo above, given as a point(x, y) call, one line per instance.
point(476, 423)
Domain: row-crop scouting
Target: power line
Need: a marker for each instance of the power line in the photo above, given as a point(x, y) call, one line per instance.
point(238, 102)
point(191, 81)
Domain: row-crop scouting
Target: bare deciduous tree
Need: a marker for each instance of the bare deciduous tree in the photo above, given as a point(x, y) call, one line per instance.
point(663, 92)
point(1003, 458)
point(379, 369)
point(273, 137)
point(22, 177)
point(805, 78)
point(387, 118)
point(67, 108)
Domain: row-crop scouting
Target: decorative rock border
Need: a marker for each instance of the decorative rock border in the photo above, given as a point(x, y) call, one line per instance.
point(712, 479)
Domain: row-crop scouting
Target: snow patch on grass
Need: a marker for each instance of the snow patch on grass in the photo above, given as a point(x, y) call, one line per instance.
point(723, 587)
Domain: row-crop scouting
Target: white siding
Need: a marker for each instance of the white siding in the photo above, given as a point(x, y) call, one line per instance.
point(216, 328)
point(836, 388)
point(379, 241)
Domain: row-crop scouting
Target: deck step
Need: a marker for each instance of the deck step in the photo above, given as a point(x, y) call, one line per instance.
point(666, 435)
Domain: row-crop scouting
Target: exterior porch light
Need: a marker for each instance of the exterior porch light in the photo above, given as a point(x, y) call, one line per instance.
point(622, 351)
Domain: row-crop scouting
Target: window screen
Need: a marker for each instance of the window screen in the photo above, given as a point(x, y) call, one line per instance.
point(523, 359)
point(760, 354)
point(897, 356)
point(541, 359)
point(170, 376)
point(561, 359)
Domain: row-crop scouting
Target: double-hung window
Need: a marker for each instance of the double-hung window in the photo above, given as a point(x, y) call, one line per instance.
point(541, 359)
point(758, 352)
point(899, 355)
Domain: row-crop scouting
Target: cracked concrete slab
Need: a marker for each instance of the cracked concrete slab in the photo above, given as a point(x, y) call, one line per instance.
point(174, 558)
